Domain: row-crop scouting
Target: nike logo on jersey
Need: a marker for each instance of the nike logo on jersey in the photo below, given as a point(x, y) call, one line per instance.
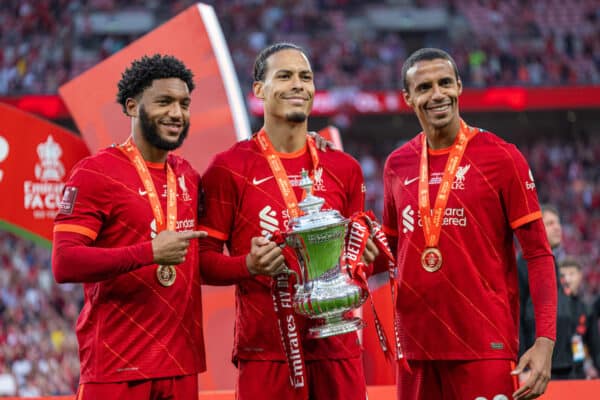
point(142, 192)
point(409, 181)
point(257, 182)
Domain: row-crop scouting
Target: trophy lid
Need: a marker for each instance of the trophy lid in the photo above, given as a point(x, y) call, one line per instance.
point(313, 217)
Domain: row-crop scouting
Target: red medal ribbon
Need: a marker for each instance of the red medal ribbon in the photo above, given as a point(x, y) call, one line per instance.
point(133, 154)
point(362, 226)
point(282, 289)
point(279, 172)
point(432, 224)
point(289, 329)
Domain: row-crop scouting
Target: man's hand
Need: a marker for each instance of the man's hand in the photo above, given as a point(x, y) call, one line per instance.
point(322, 143)
point(539, 361)
point(265, 257)
point(170, 248)
point(371, 252)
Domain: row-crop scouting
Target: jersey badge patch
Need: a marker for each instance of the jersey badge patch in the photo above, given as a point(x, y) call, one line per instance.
point(68, 200)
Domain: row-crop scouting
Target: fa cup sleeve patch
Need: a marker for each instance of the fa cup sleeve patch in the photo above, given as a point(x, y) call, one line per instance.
point(68, 200)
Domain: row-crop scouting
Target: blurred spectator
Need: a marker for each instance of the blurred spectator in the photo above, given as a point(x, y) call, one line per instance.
point(45, 43)
point(568, 175)
point(38, 348)
point(585, 339)
point(573, 328)
point(8, 383)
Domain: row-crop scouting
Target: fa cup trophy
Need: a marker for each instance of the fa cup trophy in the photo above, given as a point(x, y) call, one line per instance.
point(323, 292)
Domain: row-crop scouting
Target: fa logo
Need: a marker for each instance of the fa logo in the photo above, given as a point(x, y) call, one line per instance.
point(49, 168)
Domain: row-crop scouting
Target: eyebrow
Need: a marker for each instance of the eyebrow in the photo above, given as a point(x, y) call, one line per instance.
point(171, 98)
point(285, 70)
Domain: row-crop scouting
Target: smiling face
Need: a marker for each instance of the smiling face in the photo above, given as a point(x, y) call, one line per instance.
point(288, 88)
point(163, 113)
point(432, 92)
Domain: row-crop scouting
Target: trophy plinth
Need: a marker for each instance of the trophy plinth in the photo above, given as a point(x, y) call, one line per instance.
point(324, 293)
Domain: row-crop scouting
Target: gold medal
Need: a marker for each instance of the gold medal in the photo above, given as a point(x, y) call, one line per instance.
point(166, 275)
point(431, 259)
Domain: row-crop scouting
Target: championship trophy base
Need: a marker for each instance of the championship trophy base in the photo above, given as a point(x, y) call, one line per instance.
point(335, 325)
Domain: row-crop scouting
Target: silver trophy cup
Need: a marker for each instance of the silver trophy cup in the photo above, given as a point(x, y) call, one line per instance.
point(323, 292)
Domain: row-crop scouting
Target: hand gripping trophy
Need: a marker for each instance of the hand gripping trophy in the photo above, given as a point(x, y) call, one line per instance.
point(323, 292)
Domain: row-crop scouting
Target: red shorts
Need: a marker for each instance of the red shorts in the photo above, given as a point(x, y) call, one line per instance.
point(175, 388)
point(327, 379)
point(457, 380)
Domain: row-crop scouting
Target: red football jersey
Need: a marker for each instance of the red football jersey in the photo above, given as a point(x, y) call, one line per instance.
point(469, 308)
point(131, 327)
point(243, 200)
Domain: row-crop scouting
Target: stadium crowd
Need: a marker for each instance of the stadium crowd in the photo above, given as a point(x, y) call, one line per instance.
point(45, 43)
point(513, 42)
point(38, 347)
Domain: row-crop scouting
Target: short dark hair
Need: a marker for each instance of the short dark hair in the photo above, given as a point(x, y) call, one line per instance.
point(551, 208)
point(142, 72)
point(260, 64)
point(426, 54)
point(570, 262)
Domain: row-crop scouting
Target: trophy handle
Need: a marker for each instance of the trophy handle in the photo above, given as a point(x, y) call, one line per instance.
point(290, 271)
point(287, 270)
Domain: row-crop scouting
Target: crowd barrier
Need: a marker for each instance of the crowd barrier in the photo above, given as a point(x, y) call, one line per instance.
point(557, 390)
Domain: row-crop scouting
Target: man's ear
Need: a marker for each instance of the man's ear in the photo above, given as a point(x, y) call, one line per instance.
point(257, 89)
point(407, 98)
point(131, 105)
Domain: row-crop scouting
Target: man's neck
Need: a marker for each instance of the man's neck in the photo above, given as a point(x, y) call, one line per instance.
point(444, 137)
point(286, 137)
point(149, 152)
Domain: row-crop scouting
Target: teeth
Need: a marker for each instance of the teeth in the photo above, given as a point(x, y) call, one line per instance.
point(439, 108)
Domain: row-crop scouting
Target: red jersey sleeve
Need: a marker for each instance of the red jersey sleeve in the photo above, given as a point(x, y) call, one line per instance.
point(88, 202)
point(85, 205)
point(220, 198)
point(518, 191)
point(71, 250)
point(542, 278)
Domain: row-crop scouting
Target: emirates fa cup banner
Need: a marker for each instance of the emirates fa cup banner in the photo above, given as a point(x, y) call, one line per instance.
point(35, 158)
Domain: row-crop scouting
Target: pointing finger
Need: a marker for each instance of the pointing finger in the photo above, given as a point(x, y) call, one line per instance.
point(193, 235)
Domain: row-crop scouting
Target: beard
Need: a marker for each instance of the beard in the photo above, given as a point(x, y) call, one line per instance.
point(296, 117)
point(149, 130)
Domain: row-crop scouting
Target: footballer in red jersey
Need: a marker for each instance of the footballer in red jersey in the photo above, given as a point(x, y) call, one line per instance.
point(454, 196)
point(127, 230)
point(247, 202)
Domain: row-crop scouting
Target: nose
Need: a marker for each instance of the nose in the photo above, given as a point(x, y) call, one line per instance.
point(436, 92)
point(297, 82)
point(175, 110)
